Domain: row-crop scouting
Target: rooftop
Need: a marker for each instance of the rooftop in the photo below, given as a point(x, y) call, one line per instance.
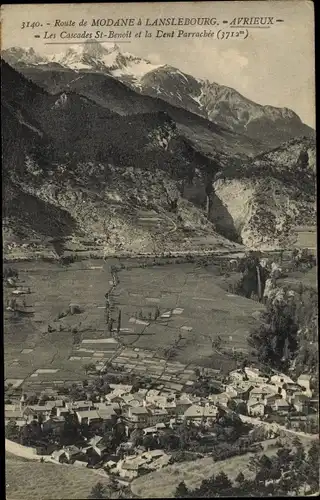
point(88, 414)
point(14, 414)
point(106, 413)
point(139, 410)
point(305, 376)
point(201, 411)
point(282, 402)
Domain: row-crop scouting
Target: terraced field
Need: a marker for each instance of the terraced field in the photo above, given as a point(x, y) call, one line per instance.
point(193, 309)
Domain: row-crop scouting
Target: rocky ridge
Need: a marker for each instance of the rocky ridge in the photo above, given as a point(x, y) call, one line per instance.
point(217, 103)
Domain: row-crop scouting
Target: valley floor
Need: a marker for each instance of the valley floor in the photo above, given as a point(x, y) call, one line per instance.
point(194, 308)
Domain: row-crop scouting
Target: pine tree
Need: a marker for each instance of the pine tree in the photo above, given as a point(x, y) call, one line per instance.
point(98, 492)
point(119, 322)
point(181, 491)
point(240, 478)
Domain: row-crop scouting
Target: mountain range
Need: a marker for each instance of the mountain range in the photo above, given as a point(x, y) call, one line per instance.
point(217, 103)
point(103, 146)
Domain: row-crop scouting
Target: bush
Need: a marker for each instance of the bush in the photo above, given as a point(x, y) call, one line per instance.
point(9, 272)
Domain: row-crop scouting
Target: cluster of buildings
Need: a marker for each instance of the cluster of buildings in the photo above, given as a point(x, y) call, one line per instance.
point(151, 411)
point(277, 394)
point(245, 391)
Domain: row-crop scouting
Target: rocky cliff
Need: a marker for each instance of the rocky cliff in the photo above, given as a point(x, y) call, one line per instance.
point(264, 200)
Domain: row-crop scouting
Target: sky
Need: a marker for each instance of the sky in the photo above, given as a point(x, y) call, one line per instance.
point(272, 66)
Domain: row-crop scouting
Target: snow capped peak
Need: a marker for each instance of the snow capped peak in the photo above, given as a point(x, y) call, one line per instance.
point(25, 55)
point(91, 55)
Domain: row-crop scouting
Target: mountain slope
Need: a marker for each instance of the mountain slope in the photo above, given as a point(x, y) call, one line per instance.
point(217, 103)
point(208, 137)
point(139, 174)
point(266, 199)
point(96, 174)
point(224, 106)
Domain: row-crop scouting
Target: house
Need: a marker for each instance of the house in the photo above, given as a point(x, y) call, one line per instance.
point(143, 392)
point(88, 417)
point(11, 407)
point(304, 380)
point(20, 417)
point(251, 372)
point(100, 448)
point(170, 407)
point(98, 445)
point(127, 398)
point(95, 440)
point(128, 470)
point(222, 398)
point(138, 416)
point(238, 405)
point(296, 421)
point(150, 431)
point(160, 426)
point(151, 392)
point(114, 397)
point(280, 379)
point(158, 463)
point(38, 410)
point(255, 408)
point(300, 402)
point(121, 388)
point(157, 415)
point(260, 393)
point(53, 423)
point(243, 389)
point(59, 456)
point(254, 374)
point(237, 375)
point(106, 413)
point(129, 466)
point(79, 405)
point(62, 412)
point(281, 406)
point(270, 399)
point(199, 414)
point(80, 463)
point(156, 400)
point(314, 403)
point(72, 452)
point(288, 391)
point(231, 391)
point(155, 459)
point(57, 403)
point(152, 454)
point(110, 465)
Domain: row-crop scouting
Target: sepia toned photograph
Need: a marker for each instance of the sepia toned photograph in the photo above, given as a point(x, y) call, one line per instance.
point(159, 224)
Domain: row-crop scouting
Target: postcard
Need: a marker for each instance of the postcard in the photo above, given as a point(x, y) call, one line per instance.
point(159, 250)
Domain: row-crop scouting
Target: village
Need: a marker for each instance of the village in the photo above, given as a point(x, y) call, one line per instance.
point(125, 411)
point(131, 431)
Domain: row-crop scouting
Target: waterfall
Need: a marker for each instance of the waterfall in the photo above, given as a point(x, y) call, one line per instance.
point(259, 283)
point(208, 205)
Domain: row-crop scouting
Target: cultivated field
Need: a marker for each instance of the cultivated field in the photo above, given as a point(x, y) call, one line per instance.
point(29, 480)
point(194, 308)
point(307, 237)
point(307, 279)
point(193, 305)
